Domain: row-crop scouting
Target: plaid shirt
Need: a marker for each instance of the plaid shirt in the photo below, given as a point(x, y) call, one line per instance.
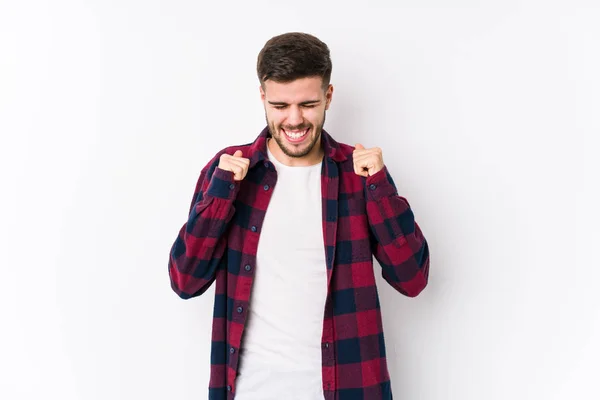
point(362, 218)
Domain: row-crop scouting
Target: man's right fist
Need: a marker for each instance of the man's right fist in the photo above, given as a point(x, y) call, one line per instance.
point(235, 163)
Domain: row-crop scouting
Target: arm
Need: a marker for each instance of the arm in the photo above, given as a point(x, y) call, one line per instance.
point(201, 243)
point(397, 241)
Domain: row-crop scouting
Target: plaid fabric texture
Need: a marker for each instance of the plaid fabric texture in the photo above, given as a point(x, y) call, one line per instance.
point(362, 218)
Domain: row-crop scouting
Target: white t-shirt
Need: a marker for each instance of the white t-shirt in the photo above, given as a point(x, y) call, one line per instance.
point(280, 355)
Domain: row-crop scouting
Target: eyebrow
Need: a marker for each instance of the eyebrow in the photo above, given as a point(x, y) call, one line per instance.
point(304, 103)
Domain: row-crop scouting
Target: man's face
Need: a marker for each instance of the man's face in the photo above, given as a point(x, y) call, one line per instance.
point(295, 113)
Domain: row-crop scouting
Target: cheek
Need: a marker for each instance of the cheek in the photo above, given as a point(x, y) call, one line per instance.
point(314, 116)
point(274, 118)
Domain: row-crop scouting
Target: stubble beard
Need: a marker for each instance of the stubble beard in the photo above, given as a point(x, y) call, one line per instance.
point(283, 145)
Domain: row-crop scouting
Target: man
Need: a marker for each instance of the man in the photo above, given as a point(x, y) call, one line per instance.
point(288, 226)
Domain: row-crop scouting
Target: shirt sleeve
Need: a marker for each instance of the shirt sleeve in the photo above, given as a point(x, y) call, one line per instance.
point(201, 243)
point(397, 241)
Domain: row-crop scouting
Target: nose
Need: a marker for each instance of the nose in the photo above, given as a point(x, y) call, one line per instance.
point(295, 117)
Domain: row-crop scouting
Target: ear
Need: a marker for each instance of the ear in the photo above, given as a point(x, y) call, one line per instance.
point(328, 96)
point(262, 93)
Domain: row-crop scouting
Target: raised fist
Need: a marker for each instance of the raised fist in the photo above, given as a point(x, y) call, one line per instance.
point(367, 162)
point(235, 163)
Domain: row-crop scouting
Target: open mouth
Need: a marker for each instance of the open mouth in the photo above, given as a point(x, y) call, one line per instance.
point(296, 136)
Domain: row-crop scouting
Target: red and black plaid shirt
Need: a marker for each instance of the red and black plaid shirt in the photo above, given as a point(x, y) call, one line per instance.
point(362, 218)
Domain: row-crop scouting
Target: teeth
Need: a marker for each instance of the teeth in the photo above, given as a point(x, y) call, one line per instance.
point(296, 134)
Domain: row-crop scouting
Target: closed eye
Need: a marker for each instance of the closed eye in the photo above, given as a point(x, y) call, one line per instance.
point(304, 106)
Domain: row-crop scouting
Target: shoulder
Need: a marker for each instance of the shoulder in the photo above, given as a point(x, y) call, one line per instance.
point(345, 153)
point(341, 152)
point(346, 149)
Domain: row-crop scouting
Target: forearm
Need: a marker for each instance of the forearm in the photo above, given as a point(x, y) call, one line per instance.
point(398, 242)
point(200, 244)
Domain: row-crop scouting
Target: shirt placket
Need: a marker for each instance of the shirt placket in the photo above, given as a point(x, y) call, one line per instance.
point(265, 190)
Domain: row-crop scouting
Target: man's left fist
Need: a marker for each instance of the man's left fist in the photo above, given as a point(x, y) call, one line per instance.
point(367, 162)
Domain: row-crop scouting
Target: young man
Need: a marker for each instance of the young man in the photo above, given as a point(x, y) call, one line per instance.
point(288, 226)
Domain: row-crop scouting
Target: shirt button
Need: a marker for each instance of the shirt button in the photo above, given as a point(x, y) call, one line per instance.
point(266, 164)
point(232, 350)
point(266, 187)
point(229, 388)
point(326, 345)
point(253, 229)
point(240, 309)
point(372, 186)
point(232, 186)
point(247, 267)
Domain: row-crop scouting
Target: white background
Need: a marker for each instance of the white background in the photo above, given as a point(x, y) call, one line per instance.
point(488, 117)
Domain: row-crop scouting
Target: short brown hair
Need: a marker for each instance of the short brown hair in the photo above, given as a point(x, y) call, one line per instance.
point(294, 55)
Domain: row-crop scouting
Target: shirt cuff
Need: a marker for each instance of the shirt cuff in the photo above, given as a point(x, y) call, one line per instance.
point(222, 185)
point(380, 185)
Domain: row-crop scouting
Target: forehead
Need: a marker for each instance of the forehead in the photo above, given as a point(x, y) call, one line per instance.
point(296, 91)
